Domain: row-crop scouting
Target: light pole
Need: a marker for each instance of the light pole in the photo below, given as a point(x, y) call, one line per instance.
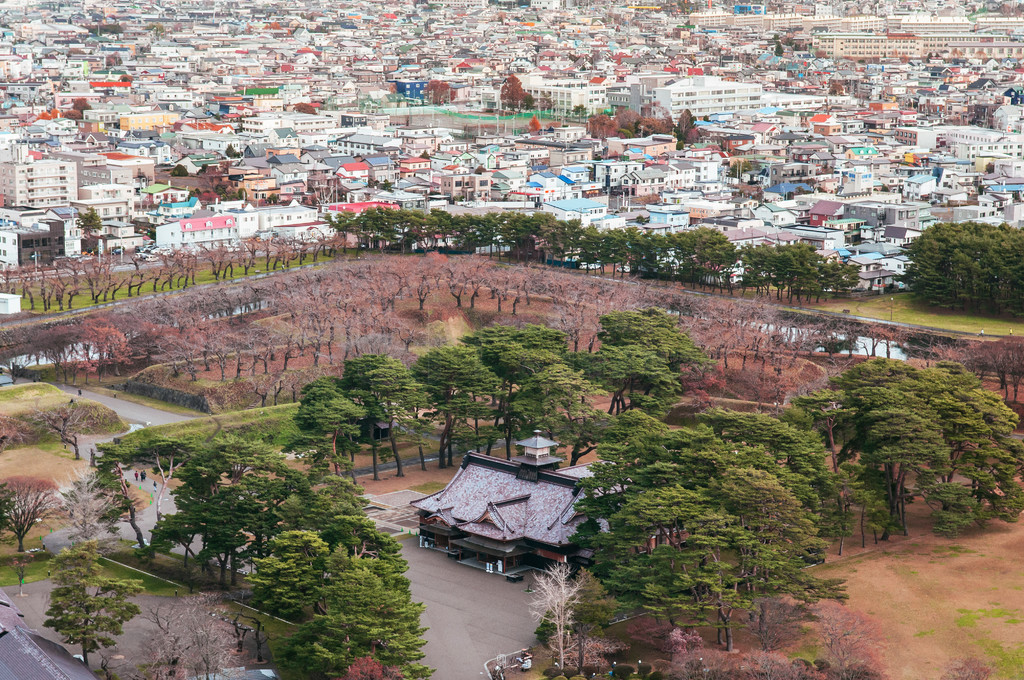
point(892, 301)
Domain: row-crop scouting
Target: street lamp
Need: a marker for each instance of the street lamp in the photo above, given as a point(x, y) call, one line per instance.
point(892, 301)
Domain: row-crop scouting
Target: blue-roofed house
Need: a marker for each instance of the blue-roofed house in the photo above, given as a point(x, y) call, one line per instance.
point(177, 209)
point(582, 209)
point(788, 189)
point(547, 186)
point(919, 187)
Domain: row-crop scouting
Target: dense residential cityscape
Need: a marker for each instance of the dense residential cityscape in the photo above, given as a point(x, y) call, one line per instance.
point(511, 339)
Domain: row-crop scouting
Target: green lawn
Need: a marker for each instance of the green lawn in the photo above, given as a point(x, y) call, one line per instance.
point(16, 400)
point(905, 308)
point(21, 401)
point(151, 585)
point(36, 570)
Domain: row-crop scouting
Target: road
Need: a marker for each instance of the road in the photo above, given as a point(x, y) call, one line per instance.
point(472, 616)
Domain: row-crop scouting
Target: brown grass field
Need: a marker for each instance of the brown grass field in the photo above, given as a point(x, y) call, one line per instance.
point(936, 599)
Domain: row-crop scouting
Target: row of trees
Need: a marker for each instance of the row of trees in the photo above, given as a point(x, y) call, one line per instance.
point(700, 257)
point(70, 283)
point(500, 384)
point(969, 266)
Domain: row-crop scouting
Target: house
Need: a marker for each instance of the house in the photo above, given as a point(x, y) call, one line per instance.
point(155, 194)
point(203, 228)
point(919, 187)
point(775, 214)
point(507, 515)
point(824, 211)
point(465, 185)
point(582, 209)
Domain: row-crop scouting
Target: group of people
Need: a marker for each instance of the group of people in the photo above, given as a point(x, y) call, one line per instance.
point(140, 476)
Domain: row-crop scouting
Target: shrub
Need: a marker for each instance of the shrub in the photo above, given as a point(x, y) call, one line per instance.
point(644, 669)
point(179, 171)
point(622, 671)
point(656, 675)
point(577, 677)
point(544, 631)
point(552, 672)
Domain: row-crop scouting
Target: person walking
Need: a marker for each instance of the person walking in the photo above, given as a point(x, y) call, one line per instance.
point(143, 475)
point(136, 475)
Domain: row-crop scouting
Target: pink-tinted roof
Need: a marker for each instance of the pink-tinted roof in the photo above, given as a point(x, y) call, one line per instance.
point(487, 498)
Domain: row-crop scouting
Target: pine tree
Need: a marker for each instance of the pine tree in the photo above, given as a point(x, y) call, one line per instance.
point(87, 608)
point(369, 613)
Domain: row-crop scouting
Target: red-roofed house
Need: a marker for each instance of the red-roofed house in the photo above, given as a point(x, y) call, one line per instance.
point(355, 172)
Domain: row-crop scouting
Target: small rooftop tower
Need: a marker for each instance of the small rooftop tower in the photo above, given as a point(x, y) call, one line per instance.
point(536, 455)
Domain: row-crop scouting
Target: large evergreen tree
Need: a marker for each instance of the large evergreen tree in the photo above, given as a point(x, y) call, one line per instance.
point(87, 608)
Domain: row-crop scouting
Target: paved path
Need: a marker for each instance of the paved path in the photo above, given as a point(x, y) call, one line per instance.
point(129, 411)
point(138, 414)
point(472, 616)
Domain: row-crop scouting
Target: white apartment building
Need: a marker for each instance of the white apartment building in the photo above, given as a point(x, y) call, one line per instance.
point(43, 183)
point(915, 45)
point(286, 217)
point(301, 123)
point(110, 201)
point(223, 226)
point(464, 4)
point(924, 23)
point(971, 143)
point(705, 95)
point(565, 94)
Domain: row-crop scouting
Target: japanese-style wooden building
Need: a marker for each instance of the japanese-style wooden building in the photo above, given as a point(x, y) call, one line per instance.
point(507, 514)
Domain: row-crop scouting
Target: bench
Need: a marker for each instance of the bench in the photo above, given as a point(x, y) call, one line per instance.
point(513, 578)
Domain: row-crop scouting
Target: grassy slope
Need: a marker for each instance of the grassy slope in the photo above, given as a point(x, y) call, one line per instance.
point(20, 401)
point(272, 424)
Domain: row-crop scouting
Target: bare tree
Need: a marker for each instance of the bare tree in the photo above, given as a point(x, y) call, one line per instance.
point(67, 421)
point(12, 431)
point(32, 500)
point(769, 666)
point(773, 621)
point(849, 640)
point(190, 641)
point(967, 669)
point(90, 509)
point(556, 594)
